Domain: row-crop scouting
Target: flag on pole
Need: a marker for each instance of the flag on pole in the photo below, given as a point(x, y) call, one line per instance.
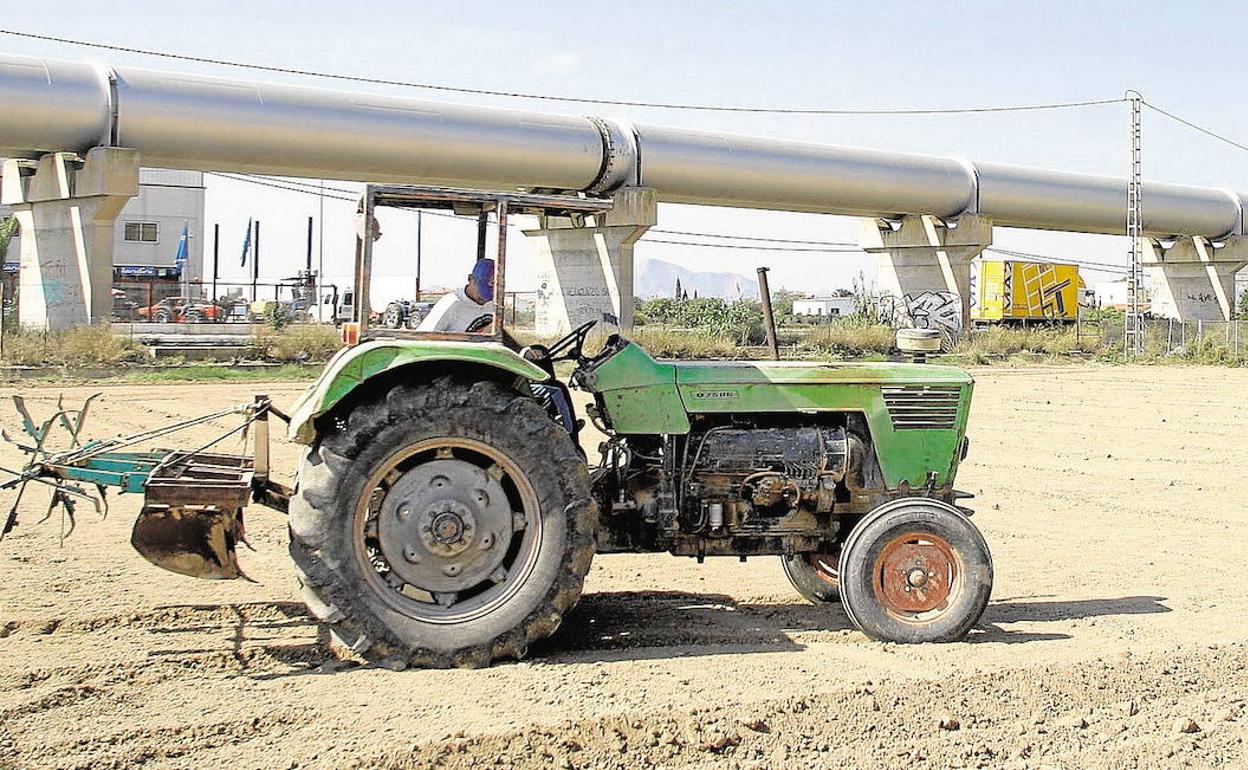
point(246, 245)
point(180, 258)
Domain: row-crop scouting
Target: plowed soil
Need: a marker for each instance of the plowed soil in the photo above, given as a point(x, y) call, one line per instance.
point(1113, 499)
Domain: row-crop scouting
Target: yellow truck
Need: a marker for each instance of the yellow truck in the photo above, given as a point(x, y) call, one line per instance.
point(1012, 290)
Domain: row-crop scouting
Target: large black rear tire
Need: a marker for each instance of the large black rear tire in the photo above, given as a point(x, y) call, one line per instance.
point(915, 570)
point(443, 524)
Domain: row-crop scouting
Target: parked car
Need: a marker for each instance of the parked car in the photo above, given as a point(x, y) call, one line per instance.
point(181, 310)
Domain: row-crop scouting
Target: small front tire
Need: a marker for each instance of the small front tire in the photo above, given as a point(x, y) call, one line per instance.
point(915, 570)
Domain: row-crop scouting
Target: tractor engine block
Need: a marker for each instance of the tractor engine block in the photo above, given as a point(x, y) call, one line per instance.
point(735, 475)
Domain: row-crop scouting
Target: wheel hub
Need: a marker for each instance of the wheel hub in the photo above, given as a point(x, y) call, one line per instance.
point(445, 526)
point(916, 573)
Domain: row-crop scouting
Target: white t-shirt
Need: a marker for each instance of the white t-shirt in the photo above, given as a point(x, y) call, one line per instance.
point(455, 312)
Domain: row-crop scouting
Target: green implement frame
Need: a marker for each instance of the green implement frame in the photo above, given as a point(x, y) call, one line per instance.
point(166, 477)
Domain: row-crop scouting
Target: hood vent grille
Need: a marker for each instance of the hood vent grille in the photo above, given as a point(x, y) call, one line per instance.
point(922, 407)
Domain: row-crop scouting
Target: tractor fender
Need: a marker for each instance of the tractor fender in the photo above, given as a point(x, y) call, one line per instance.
point(352, 367)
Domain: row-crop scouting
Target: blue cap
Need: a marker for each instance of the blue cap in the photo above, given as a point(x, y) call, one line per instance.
point(483, 273)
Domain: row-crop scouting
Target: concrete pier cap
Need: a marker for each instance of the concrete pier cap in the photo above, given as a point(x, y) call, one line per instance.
point(66, 206)
point(925, 267)
point(1193, 278)
point(585, 268)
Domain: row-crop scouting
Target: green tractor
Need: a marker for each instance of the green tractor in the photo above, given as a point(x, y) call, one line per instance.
point(446, 514)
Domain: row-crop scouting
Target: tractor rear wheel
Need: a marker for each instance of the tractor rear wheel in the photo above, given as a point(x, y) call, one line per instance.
point(443, 524)
point(915, 570)
point(814, 575)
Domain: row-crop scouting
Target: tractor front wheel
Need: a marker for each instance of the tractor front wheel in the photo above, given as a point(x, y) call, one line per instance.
point(915, 570)
point(443, 524)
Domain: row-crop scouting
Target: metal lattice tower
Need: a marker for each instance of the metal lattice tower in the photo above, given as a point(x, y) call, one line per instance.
point(1133, 336)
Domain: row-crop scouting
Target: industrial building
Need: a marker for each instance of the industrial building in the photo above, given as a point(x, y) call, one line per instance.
point(827, 307)
point(147, 236)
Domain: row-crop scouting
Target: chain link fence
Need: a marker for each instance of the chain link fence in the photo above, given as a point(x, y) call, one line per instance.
point(1166, 337)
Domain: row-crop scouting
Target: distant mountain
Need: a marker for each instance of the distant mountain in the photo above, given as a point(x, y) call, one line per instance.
point(656, 278)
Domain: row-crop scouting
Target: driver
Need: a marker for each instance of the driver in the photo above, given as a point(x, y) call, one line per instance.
point(465, 310)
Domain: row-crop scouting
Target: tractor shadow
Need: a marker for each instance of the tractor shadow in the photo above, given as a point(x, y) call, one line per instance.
point(1026, 610)
point(642, 625)
point(648, 625)
point(615, 626)
point(256, 635)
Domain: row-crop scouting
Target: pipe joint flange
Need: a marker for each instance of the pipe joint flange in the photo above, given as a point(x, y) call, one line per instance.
point(619, 156)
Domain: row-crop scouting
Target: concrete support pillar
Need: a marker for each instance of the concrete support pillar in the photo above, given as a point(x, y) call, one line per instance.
point(1194, 279)
point(66, 206)
point(925, 267)
point(585, 269)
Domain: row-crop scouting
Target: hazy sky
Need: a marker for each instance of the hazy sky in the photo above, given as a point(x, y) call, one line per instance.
point(1186, 57)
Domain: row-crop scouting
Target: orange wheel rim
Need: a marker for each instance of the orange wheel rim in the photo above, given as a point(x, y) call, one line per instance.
point(916, 575)
point(825, 566)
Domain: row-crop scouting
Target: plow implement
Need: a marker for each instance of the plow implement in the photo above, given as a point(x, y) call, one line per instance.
point(191, 521)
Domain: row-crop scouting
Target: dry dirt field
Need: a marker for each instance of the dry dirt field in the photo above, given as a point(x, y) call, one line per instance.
point(1113, 499)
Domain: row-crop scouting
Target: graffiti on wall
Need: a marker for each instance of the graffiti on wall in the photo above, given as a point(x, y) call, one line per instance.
point(940, 310)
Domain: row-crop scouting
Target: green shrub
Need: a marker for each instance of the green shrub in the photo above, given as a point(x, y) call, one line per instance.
point(709, 316)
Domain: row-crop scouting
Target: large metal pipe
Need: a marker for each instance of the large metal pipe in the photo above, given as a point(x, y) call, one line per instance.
point(214, 124)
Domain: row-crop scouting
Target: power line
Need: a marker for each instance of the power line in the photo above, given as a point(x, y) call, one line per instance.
point(1098, 266)
point(1196, 127)
point(751, 238)
point(566, 99)
point(750, 248)
point(305, 188)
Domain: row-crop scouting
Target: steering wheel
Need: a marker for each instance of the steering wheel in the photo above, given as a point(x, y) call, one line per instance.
point(570, 347)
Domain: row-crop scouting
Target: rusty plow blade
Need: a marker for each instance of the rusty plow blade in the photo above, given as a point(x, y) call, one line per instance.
point(199, 542)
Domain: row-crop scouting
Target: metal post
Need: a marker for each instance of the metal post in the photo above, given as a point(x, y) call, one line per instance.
point(483, 223)
point(308, 266)
point(364, 264)
point(255, 262)
point(420, 219)
point(500, 264)
point(216, 259)
point(769, 319)
point(320, 264)
point(261, 465)
point(1132, 334)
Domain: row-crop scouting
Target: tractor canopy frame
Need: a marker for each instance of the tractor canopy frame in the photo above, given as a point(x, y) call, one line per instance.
point(479, 203)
